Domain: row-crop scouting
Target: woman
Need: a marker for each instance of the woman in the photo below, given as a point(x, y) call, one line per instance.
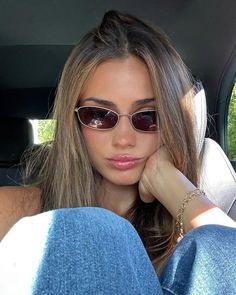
point(124, 141)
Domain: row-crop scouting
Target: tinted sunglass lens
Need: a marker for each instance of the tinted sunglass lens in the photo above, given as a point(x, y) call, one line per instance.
point(97, 117)
point(109, 120)
point(145, 121)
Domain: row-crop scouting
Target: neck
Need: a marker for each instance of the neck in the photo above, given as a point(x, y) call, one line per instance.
point(117, 198)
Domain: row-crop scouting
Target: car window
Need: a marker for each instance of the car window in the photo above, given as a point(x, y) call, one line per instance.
point(232, 125)
point(43, 130)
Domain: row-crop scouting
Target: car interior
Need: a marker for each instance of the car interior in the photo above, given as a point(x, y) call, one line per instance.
point(36, 37)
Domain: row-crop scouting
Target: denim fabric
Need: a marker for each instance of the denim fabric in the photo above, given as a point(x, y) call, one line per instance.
point(204, 263)
point(87, 251)
point(94, 251)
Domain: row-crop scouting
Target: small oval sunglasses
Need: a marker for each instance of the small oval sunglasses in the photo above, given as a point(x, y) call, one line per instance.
point(104, 119)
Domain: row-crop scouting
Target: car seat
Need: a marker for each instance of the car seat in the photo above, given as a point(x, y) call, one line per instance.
point(16, 135)
point(217, 176)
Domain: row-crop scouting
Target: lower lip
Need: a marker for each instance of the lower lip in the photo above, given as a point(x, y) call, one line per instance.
point(124, 165)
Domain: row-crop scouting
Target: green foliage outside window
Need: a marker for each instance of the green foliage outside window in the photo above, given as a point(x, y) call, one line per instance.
point(232, 126)
point(46, 130)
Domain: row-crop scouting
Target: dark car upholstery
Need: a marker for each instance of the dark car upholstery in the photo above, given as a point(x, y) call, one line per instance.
point(16, 136)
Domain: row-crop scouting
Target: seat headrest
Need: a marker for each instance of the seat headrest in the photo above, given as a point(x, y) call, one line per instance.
point(16, 134)
point(200, 111)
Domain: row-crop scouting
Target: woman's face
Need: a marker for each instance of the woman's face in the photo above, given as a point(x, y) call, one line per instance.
point(122, 85)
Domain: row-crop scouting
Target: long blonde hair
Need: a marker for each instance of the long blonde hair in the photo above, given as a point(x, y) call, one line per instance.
point(64, 172)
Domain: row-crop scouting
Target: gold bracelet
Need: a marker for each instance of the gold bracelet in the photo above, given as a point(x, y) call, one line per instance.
point(179, 219)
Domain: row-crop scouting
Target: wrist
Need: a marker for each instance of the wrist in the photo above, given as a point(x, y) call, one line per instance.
point(171, 187)
point(183, 209)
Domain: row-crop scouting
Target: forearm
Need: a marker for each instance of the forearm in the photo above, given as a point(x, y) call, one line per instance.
point(172, 188)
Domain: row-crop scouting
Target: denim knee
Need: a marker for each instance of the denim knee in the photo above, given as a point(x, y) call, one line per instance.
point(75, 251)
point(99, 251)
point(211, 233)
point(203, 262)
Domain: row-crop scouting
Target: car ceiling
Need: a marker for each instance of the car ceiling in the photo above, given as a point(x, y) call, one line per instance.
point(37, 36)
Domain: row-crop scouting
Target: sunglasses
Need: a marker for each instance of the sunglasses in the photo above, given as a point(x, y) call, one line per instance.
point(104, 119)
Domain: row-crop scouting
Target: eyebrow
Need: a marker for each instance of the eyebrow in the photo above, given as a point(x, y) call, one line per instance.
point(109, 103)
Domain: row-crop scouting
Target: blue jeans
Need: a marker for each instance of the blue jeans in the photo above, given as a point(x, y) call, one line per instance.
point(94, 251)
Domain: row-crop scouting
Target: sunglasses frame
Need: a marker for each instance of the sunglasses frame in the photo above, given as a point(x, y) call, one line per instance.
point(118, 115)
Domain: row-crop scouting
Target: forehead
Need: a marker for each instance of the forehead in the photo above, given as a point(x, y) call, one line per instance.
point(125, 80)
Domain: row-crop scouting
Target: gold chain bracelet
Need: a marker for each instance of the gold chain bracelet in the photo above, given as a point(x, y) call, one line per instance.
point(179, 219)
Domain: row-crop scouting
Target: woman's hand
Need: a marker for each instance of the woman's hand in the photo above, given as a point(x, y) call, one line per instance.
point(161, 180)
point(150, 188)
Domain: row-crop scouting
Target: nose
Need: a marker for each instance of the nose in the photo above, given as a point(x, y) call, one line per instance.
point(124, 134)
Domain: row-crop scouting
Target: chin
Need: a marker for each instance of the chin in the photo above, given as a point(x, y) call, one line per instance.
point(124, 180)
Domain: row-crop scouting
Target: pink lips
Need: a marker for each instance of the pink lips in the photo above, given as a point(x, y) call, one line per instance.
point(124, 162)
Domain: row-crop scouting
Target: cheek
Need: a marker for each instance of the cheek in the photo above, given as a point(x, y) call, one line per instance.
point(149, 143)
point(146, 144)
point(94, 141)
point(90, 136)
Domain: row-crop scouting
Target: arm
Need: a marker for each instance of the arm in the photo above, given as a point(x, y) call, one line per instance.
point(161, 180)
point(15, 203)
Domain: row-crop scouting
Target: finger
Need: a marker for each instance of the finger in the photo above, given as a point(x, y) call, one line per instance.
point(145, 196)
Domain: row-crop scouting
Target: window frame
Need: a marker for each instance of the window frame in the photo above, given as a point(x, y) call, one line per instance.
point(228, 80)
